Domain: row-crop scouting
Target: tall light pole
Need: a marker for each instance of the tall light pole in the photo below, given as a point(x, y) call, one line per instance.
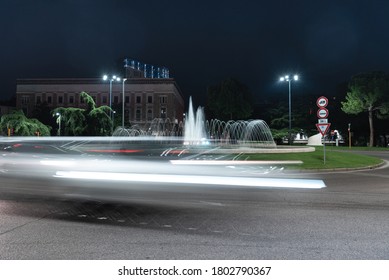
point(349, 135)
point(124, 80)
point(59, 123)
point(113, 78)
point(289, 79)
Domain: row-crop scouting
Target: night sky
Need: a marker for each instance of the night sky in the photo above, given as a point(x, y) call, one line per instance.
point(201, 42)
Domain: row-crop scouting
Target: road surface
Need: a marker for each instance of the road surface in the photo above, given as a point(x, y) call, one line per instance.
point(346, 220)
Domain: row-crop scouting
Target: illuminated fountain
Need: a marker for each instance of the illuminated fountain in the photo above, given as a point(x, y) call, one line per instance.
point(197, 131)
point(157, 127)
point(253, 133)
point(194, 130)
point(252, 136)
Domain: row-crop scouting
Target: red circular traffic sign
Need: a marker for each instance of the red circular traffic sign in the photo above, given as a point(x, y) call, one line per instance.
point(322, 113)
point(322, 102)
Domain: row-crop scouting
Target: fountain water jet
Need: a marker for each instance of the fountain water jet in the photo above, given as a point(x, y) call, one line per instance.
point(194, 131)
point(253, 133)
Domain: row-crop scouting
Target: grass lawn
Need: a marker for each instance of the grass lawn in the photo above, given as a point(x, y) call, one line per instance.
point(336, 157)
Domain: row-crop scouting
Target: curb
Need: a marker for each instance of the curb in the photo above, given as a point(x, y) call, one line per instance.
point(383, 164)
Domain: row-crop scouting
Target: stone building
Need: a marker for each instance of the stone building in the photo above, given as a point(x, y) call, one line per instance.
point(6, 109)
point(145, 99)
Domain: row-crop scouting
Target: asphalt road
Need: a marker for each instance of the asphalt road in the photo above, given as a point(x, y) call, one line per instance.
point(346, 220)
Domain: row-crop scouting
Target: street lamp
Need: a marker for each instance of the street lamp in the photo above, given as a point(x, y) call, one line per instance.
point(349, 135)
point(113, 78)
point(289, 79)
point(124, 80)
point(59, 123)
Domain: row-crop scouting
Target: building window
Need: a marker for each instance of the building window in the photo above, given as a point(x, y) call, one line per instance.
point(49, 99)
point(104, 99)
point(38, 100)
point(127, 98)
point(82, 100)
point(139, 99)
point(94, 98)
point(60, 99)
point(116, 99)
point(138, 114)
point(25, 100)
point(163, 113)
point(149, 114)
point(71, 99)
point(163, 99)
point(150, 99)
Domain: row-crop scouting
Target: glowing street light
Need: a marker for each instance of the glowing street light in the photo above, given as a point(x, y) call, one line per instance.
point(289, 79)
point(112, 79)
point(59, 123)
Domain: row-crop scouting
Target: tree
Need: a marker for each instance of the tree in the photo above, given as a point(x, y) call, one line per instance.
point(72, 120)
point(42, 112)
point(368, 92)
point(23, 126)
point(229, 100)
point(98, 119)
point(89, 121)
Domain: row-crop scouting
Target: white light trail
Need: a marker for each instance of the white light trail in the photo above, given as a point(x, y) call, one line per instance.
point(57, 163)
point(194, 179)
point(234, 162)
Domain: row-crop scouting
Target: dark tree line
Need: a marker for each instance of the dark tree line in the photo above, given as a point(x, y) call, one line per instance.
point(229, 100)
point(363, 103)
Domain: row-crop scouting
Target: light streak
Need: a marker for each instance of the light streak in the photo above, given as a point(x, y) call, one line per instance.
point(193, 179)
point(234, 162)
point(57, 163)
point(114, 151)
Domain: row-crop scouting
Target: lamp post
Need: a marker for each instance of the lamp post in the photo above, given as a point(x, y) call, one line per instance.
point(289, 79)
point(349, 135)
point(113, 78)
point(124, 80)
point(59, 123)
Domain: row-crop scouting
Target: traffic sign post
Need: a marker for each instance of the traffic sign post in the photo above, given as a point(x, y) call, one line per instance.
point(323, 125)
point(323, 129)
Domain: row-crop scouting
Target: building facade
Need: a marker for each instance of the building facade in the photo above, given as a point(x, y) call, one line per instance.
point(145, 99)
point(6, 109)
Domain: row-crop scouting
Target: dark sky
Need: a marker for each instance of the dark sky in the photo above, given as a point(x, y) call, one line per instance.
point(201, 42)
